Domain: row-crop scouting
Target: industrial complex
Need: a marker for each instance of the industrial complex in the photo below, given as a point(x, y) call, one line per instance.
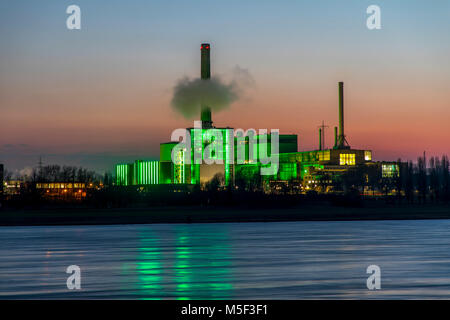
point(241, 161)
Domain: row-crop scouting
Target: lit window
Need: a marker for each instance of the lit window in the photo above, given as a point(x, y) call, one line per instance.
point(324, 155)
point(347, 159)
point(368, 155)
point(390, 171)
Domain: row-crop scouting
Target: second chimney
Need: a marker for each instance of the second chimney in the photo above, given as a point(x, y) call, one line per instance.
point(342, 141)
point(341, 114)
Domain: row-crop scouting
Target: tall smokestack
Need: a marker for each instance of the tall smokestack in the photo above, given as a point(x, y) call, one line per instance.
point(205, 75)
point(320, 138)
point(341, 113)
point(341, 138)
point(335, 137)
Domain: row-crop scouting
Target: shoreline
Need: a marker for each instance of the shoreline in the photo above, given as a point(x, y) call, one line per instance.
point(90, 216)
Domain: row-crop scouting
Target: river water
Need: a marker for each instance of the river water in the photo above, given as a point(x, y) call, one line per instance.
point(282, 260)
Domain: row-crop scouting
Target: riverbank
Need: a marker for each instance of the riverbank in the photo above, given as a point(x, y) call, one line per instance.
point(189, 214)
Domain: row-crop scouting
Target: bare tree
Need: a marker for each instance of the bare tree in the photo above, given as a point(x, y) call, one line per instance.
point(422, 184)
point(445, 176)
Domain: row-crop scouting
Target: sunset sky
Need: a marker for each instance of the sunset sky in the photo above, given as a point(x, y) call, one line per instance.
point(101, 95)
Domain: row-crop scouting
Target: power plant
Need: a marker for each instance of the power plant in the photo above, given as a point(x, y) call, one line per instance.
point(306, 170)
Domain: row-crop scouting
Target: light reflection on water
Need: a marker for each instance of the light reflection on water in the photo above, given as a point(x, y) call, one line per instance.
point(185, 266)
point(290, 260)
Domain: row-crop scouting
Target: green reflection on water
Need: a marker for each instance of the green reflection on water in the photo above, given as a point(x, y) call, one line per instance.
point(192, 264)
point(149, 268)
point(202, 268)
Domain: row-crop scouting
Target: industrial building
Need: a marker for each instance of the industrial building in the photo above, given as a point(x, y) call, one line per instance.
point(302, 169)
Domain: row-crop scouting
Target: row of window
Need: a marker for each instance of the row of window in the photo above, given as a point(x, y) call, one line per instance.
point(60, 185)
point(389, 170)
point(347, 159)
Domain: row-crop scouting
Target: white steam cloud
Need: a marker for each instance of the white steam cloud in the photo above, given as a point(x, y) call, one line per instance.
point(191, 94)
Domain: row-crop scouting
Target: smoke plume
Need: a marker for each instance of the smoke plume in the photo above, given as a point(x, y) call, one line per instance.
point(191, 94)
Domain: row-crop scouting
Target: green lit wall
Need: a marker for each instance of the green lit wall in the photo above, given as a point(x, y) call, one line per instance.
point(145, 172)
point(288, 171)
point(200, 139)
point(179, 170)
point(166, 167)
point(138, 173)
point(165, 151)
point(123, 173)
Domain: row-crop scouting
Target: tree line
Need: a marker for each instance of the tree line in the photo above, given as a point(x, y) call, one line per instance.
point(55, 173)
point(416, 182)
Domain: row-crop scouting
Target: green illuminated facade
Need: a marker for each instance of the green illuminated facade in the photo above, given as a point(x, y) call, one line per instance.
point(241, 161)
point(138, 173)
point(204, 145)
point(145, 172)
point(123, 175)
